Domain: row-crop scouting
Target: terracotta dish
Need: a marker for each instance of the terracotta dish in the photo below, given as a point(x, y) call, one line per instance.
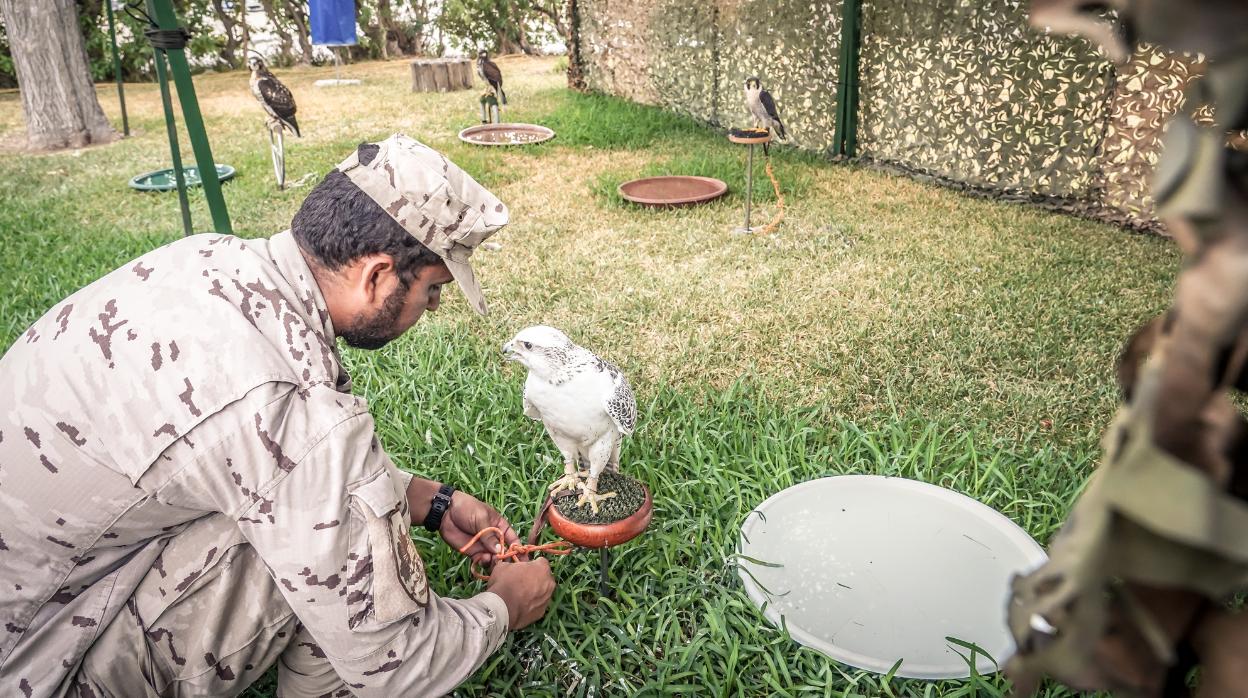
point(672, 190)
point(602, 535)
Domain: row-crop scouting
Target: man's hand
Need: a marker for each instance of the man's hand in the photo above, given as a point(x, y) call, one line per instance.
point(465, 518)
point(525, 587)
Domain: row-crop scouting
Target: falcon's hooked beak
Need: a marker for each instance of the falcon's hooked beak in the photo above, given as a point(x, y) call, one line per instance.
point(509, 350)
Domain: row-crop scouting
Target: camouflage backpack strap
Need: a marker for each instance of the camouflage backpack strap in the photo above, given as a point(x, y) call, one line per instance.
point(1145, 517)
point(1190, 533)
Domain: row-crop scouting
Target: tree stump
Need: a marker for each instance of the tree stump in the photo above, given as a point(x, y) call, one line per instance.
point(441, 74)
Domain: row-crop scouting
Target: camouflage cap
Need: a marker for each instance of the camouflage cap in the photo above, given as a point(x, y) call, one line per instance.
point(438, 203)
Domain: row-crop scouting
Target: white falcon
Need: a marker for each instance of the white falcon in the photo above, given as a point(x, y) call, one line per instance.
point(584, 401)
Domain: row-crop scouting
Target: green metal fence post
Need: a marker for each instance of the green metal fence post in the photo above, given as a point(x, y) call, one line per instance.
point(175, 152)
point(162, 11)
point(121, 90)
point(845, 138)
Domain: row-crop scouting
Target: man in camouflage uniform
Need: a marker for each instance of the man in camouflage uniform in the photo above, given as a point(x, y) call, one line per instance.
point(189, 492)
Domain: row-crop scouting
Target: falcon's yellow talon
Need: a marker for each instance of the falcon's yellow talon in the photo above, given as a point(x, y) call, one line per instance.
point(591, 497)
point(570, 481)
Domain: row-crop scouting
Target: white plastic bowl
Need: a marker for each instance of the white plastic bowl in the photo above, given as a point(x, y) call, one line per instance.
point(875, 569)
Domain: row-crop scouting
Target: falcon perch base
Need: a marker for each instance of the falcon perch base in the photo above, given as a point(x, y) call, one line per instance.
point(621, 519)
point(749, 136)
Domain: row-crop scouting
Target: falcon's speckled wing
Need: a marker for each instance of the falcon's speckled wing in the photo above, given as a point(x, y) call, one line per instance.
point(621, 405)
point(277, 100)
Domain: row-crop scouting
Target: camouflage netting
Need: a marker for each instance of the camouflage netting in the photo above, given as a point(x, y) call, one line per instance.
point(694, 57)
point(963, 92)
point(973, 95)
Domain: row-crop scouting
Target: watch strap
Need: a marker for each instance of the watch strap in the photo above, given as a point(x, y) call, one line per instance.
point(437, 509)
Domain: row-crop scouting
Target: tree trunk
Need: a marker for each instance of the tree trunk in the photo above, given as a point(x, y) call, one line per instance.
point(229, 53)
point(576, 69)
point(556, 11)
point(421, 44)
point(504, 43)
point(367, 19)
point(441, 74)
point(244, 30)
point(389, 28)
point(58, 99)
point(279, 28)
point(525, 45)
point(300, 19)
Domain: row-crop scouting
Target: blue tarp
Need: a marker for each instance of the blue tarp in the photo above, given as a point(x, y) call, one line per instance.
point(333, 22)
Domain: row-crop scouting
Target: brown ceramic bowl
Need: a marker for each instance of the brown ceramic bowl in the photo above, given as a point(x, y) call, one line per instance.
point(506, 134)
point(672, 190)
point(602, 535)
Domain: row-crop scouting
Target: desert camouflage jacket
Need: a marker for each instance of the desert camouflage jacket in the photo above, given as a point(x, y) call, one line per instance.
point(202, 378)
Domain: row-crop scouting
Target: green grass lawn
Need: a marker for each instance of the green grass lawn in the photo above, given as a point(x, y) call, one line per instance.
point(891, 327)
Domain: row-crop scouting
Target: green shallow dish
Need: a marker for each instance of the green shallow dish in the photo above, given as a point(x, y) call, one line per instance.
point(164, 180)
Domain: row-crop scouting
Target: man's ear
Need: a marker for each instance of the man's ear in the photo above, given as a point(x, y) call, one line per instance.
point(377, 277)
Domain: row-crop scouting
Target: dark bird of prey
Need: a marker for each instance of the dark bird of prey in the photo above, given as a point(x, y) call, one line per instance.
point(276, 99)
point(763, 108)
point(489, 72)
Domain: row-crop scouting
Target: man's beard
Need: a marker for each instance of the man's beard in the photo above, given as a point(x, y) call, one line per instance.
point(377, 331)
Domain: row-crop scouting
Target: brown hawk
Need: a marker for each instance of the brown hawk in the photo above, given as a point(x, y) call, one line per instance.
point(275, 97)
point(489, 72)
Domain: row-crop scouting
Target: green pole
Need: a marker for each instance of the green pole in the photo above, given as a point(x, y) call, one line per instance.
point(162, 10)
point(121, 90)
point(851, 79)
point(175, 152)
point(845, 138)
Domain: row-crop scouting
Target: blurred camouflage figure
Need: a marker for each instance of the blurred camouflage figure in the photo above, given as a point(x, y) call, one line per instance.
point(1135, 594)
point(190, 493)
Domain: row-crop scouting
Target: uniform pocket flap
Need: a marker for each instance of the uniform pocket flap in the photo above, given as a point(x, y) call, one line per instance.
point(378, 494)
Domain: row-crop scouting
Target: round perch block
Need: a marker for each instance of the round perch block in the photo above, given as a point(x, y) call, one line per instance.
point(441, 74)
point(588, 535)
point(749, 135)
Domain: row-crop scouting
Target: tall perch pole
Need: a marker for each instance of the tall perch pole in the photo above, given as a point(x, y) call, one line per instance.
point(749, 138)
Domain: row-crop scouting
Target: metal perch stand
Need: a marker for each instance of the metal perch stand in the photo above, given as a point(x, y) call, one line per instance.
point(749, 138)
point(277, 149)
point(604, 572)
point(490, 109)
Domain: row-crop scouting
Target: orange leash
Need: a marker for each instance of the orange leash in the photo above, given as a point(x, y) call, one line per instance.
point(775, 222)
point(558, 547)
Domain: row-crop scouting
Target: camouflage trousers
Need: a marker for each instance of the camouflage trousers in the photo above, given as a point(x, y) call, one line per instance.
point(195, 630)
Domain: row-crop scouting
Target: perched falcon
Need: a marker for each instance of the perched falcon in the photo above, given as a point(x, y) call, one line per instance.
point(276, 99)
point(492, 76)
point(585, 403)
point(763, 108)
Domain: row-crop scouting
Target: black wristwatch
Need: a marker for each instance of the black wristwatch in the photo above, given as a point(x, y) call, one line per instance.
point(441, 502)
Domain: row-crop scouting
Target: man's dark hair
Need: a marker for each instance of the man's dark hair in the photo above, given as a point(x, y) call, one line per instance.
point(339, 223)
